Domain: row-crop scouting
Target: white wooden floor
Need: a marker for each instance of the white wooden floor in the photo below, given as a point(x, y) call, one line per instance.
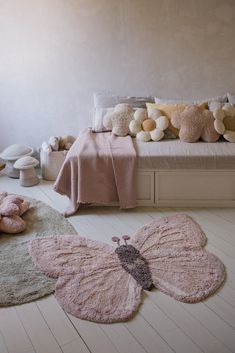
point(162, 324)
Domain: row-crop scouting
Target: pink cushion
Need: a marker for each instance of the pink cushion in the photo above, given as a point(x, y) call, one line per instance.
point(11, 208)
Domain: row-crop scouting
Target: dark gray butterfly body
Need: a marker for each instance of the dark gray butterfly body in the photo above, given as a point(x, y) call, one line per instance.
point(135, 264)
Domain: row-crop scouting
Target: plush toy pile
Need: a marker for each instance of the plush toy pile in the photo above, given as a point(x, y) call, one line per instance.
point(58, 143)
point(12, 207)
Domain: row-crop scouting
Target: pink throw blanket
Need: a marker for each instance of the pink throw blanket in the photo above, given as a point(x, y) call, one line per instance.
point(99, 168)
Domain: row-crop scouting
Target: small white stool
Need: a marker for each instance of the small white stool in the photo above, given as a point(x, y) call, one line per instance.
point(28, 176)
point(11, 154)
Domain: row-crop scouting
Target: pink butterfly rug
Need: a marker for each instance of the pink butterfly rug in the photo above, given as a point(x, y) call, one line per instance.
point(102, 283)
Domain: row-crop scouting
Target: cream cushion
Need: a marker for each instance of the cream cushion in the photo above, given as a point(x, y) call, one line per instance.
point(147, 128)
point(225, 122)
point(118, 121)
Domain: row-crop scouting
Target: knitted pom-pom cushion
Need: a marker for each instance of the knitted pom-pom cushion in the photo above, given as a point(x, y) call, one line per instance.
point(150, 126)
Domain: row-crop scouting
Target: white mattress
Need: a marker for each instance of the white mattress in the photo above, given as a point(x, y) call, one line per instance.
point(174, 154)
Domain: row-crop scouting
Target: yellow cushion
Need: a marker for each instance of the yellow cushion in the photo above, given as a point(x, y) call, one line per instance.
point(169, 109)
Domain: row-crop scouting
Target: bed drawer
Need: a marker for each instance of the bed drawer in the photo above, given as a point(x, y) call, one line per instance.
point(194, 187)
point(145, 187)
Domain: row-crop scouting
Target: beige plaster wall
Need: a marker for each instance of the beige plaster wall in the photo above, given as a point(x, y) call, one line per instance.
point(55, 53)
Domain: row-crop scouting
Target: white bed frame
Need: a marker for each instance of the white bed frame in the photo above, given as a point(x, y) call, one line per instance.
point(186, 188)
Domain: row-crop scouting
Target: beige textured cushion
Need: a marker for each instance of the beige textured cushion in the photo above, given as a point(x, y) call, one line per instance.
point(118, 121)
point(194, 124)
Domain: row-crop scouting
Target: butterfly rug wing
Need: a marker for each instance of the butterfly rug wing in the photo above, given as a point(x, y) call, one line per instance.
point(91, 284)
point(179, 266)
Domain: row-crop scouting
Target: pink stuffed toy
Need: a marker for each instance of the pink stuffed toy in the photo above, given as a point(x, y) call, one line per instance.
point(11, 208)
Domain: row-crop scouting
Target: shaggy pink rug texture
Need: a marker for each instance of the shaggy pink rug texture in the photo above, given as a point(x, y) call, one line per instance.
point(101, 283)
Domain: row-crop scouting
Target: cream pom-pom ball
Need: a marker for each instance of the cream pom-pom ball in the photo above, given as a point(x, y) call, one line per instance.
point(135, 127)
point(162, 122)
point(154, 113)
point(140, 115)
point(229, 109)
point(156, 134)
point(224, 122)
point(219, 114)
point(143, 136)
point(229, 136)
point(219, 127)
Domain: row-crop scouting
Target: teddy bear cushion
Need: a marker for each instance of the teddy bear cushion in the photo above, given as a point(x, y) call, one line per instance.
point(193, 124)
point(118, 121)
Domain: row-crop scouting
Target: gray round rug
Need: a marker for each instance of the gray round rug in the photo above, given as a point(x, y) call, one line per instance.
point(20, 282)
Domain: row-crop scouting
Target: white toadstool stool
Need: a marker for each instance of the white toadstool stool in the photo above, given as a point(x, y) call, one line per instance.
point(26, 166)
point(11, 154)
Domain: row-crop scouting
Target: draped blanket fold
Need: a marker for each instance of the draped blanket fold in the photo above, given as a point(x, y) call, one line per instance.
point(99, 168)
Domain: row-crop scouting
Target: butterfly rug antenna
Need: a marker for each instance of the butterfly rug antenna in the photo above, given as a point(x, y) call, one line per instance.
point(116, 240)
point(124, 237)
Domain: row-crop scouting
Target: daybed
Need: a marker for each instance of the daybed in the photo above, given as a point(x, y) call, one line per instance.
point(169, 172)
point(175, 173)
